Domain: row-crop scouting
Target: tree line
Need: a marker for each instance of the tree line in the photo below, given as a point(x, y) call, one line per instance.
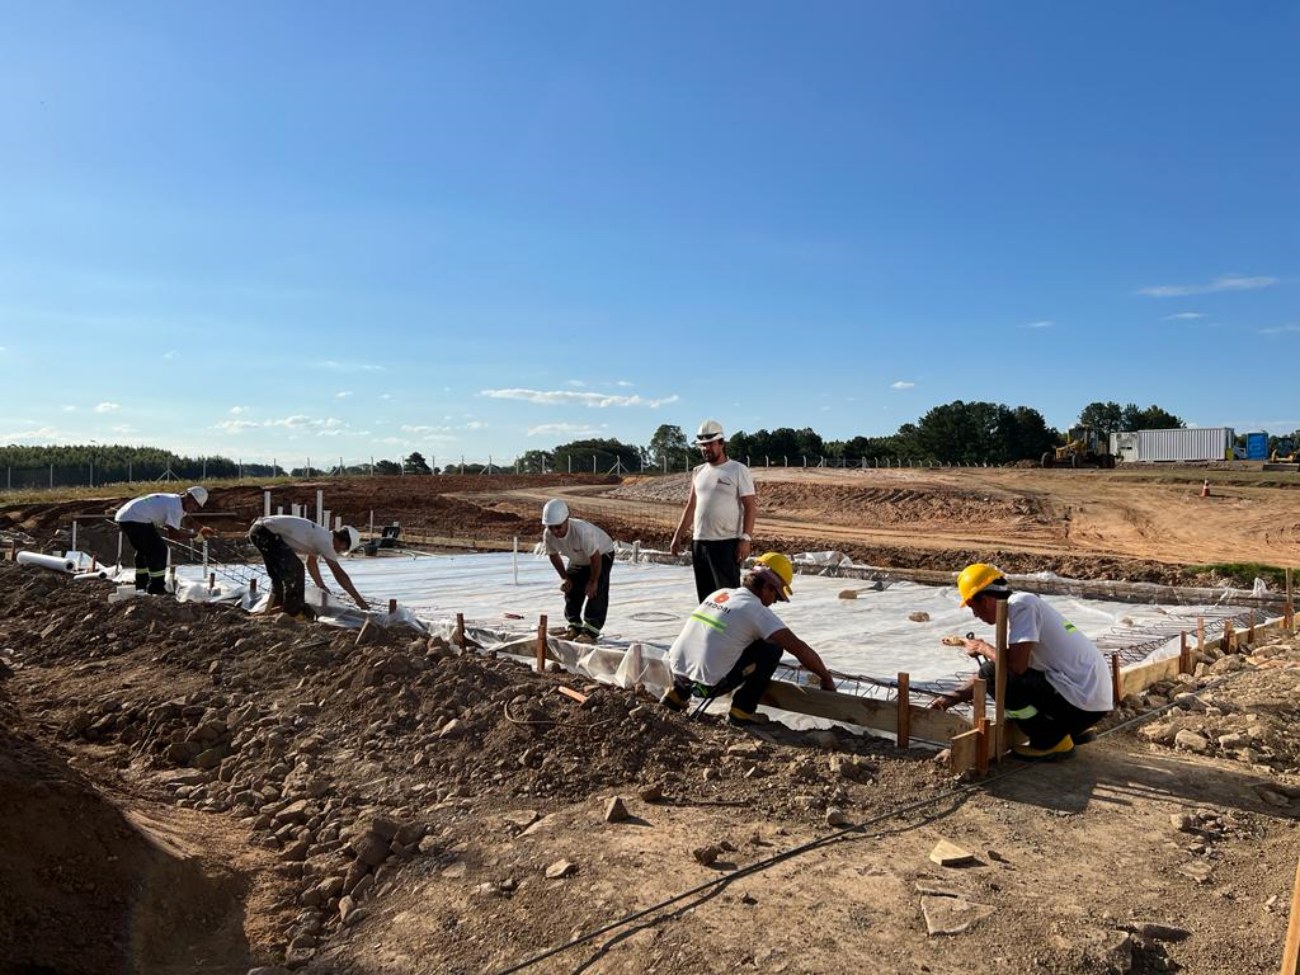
point(970, 433)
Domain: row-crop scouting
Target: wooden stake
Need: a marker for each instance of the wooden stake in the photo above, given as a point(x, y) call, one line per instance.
point(212, 581)
point(1291, 953)
point(392, 606)
point(1184, 654)
point(979, 692)
point(1200, 635)
point(1290, 607)
point(252, 586)
point(1250, 632)
point(541, 644)
point(1000, 690)
point(1114, 677)
point(904, 728)
point(460, 630)
point(1227, 641)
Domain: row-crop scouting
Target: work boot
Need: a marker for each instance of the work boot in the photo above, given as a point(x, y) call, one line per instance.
point(585, 637)
point(1062, 749)
point(572, 633)
point(742, 718)
point(674, 700)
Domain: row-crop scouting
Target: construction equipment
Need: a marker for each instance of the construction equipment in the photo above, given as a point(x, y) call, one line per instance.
point(1084, 447)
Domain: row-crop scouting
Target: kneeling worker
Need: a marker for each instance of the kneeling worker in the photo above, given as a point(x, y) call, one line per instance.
point(734, 642)
point(591, 556)
point(145, 519)
point(1058, 684)
point(282, 538)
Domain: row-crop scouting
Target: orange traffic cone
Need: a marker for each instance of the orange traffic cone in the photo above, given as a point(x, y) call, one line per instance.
point(1205, 488)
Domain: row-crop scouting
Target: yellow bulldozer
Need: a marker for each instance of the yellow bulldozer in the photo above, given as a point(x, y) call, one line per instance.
point(1084, 447)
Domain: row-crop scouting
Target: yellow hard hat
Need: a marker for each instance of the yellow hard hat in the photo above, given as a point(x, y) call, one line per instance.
point(974, 579)
point(782, 566)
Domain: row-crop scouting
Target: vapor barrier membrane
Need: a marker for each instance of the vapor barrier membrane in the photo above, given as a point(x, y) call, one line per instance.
point(872, 636)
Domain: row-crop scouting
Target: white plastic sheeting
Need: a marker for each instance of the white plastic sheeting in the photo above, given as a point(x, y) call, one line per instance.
point(870, 635)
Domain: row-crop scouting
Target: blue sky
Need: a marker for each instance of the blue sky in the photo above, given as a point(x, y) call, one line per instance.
point(340, 230)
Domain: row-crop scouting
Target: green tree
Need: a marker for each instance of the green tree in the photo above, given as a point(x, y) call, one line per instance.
point(1108, 418)
point(669, 449)
point(597, 455)
point(416, 464)
point(1151, 418)
point(388, 467)
point(536, 462)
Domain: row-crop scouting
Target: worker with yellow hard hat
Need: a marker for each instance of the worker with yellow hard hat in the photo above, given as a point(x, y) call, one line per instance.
point(1058, 684)
point(734, 642)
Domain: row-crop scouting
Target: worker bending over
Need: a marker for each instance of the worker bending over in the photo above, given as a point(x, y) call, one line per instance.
point(1058, 684)
point(734, 642)
point(145, 519)
point(591, 555)
point(281, 539)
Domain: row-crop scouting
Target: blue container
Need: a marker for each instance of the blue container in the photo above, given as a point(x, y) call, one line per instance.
point(1257, 446)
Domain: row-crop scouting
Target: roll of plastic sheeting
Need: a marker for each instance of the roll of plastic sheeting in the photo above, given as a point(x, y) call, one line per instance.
point(48, 561)
point(98, 574)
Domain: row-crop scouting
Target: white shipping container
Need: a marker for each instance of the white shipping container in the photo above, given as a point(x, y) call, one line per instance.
point(1197, 443)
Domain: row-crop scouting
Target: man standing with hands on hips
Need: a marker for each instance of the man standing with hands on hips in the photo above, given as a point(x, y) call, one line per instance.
point(721, 510)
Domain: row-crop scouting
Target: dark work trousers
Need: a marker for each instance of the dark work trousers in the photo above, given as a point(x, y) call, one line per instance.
point(750, 676)
point(283, 566)
point(1040, 711)
point(593, 619)
point(715, 566)
point(150, 556)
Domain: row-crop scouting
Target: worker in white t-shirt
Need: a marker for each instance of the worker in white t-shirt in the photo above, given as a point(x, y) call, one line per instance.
point(281, 539)
point(590, 552)
point(721, 509)
point(733, 642)
point(1058, 684)
point(144, 521)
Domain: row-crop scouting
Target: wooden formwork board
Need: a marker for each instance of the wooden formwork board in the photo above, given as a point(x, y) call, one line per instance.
point(924, 723)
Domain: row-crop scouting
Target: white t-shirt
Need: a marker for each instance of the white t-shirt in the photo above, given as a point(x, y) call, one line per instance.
point(718, 490)
point(718, 632)
point(578, 542)
point(160, 510)
point(1066, 657)
point(302, 535)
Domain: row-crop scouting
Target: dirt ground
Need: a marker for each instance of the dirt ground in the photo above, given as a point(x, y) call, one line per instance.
point(186, 789)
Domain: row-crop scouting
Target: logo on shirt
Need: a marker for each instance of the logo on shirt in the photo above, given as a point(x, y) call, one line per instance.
point(721, 597)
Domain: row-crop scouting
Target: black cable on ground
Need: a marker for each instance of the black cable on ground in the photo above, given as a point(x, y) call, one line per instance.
point(845, 833)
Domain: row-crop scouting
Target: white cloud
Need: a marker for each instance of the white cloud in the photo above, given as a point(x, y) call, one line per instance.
point(238, 410)
point(1227, 282)
point(385, 395)
point(1279, 329)
point(170, 354)
point(123, 428)
point(107, 407)
point(423, 430)
point(476, 425)
point(902, 384)
point(343, 394)
point(576, 383)
point(39, 435)
point(1045, 323)
point(69, 409)
point(564, 397)
point(326, 427)
point(334, 365)
point(1183, 316)
point(563, 429)
point(624, 383)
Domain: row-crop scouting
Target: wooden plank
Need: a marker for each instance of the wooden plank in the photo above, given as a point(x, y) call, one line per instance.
point(982, 747)
point(1291, 952)
point(1115, 688)
point(1000, 686)
point(904, 709)
point(963, 751)
point(541, 644)
point(570, 692)
point(927, 724)
point(1140, 677)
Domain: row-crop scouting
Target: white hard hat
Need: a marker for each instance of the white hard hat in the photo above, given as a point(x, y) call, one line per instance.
point(354, 537)
point(710, 430)
point(199, 494)
point(554, 512)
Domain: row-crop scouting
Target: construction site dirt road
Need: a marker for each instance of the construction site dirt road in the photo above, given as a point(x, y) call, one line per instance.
point(186, 789)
